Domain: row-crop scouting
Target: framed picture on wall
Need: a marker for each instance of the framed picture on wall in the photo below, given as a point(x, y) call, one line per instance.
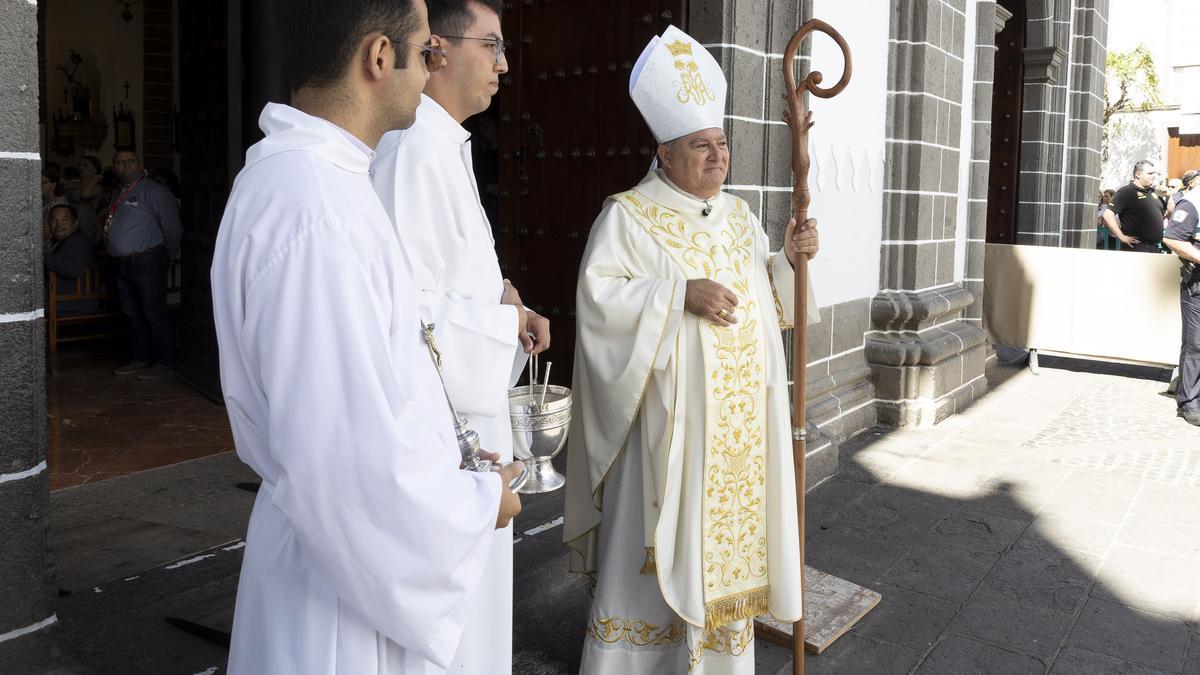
point(124, 136)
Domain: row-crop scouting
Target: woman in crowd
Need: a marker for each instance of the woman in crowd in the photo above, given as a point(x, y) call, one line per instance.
point(88, 196)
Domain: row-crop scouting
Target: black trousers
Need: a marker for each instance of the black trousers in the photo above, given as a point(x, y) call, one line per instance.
point(142, 288)
point(1188, 393)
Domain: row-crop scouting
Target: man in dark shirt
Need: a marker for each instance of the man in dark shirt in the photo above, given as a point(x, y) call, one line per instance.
point(1181, 237)
point(143, 233)
point(68, 255)
point(1136, 213)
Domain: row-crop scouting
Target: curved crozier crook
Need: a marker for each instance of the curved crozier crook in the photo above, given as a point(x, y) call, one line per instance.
point(814, 79)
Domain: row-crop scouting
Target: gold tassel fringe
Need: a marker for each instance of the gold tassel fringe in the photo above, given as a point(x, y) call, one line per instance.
point(650, 566)
point(736, 607)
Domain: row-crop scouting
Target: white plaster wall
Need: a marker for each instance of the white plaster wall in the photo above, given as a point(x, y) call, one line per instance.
point(111, 48)
point(1134, 136)
point(964, 143)
point(847, 149)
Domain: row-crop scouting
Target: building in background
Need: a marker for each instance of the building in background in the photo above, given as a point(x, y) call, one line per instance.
point(966, 122)
point(1164, 128)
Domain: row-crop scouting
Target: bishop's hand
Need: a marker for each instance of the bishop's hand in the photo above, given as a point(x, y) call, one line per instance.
point(709, 300)
point(801, 240)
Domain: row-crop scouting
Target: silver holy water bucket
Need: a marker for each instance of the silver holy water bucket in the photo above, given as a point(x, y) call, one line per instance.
point(539, 432)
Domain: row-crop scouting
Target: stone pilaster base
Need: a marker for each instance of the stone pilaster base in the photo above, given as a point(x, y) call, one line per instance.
point(926, 363)
point(840, 397)
point(839, 407)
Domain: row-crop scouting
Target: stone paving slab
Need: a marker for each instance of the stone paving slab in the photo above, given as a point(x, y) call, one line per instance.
point(1076, 661)
point(956, 654)
point(1035, 532)
point(1150, 640)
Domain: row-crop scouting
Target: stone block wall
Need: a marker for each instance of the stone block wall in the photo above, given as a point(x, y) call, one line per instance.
point(26, 601)
point(989, 20)
point(927, 361)
point(1063, 107)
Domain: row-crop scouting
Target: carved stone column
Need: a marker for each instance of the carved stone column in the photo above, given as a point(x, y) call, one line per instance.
point(26, 600)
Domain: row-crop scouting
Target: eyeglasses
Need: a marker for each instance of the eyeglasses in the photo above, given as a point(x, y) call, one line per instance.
point(432, 54)
point(497, 44)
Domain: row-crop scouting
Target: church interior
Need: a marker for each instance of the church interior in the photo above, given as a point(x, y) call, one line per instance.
point(110, 75)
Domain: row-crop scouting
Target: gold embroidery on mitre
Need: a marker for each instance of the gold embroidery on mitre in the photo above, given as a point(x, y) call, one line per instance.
point(679, 48)
point(734, 555)
point(692, 87)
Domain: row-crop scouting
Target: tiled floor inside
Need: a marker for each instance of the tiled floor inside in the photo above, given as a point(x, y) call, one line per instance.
point(99, 425)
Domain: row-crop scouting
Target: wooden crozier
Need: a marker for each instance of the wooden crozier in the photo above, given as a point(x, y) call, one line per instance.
point(831, 605)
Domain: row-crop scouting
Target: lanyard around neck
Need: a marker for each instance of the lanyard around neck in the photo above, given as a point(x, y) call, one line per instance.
point(112, 208)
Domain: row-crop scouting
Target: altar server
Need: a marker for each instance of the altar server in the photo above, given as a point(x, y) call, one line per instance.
point(680, 487)
point(424, 178)
point(366, 538)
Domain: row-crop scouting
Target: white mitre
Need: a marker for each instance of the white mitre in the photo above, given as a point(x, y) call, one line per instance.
point(678, 86)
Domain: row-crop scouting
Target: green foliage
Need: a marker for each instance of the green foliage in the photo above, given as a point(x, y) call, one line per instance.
point(1133, 79)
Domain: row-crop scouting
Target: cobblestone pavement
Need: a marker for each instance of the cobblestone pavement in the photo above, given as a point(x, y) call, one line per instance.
point(1053, 527)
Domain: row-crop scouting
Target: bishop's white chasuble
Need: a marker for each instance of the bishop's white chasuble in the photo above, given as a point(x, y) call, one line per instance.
point(424, 179)
point(681, 491)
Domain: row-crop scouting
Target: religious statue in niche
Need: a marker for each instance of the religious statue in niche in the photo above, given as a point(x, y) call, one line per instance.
point(78, 125)
point(76, 94)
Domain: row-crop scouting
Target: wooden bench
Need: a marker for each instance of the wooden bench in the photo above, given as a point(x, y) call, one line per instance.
point(91, 286)
point(94, 286)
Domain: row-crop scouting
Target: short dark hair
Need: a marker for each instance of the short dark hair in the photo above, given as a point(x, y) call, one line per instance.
point(68, 207)
point(94, 161)
point(129, 150)
point(1140, 166)
point(453, 17)
point(321, 36)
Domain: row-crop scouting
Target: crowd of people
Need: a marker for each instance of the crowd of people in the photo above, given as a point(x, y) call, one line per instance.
point(128, 220)
point(1134, 216)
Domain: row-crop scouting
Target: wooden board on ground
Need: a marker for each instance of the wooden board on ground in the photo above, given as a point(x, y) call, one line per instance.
point(831, 607)
point(90, 554)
